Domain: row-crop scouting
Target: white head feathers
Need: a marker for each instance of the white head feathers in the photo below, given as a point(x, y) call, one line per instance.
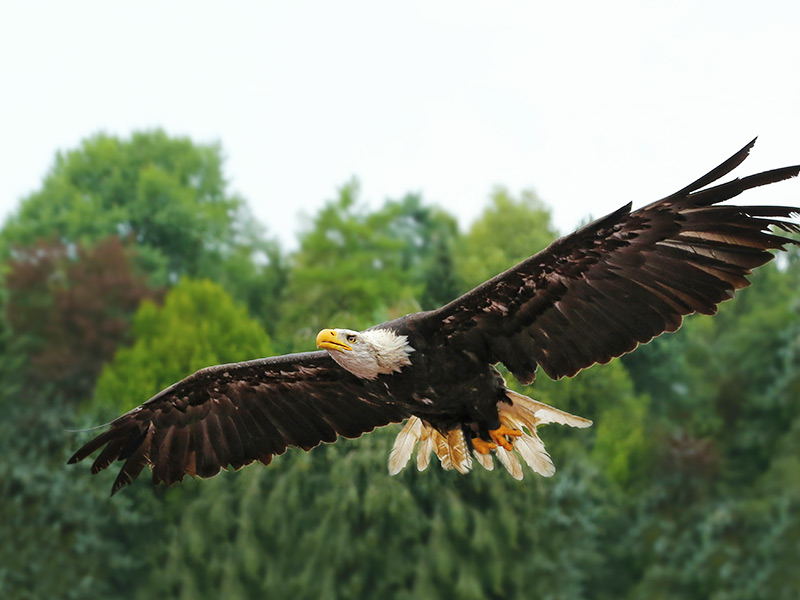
point(366, 354)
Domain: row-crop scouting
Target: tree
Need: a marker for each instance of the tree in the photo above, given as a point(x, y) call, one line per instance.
point(69, 539)
point(168, 193)
point(62, 537)
point(332, 524)
point(71, 308)
point(199, 325)
point(428, 236)
point(719, 516)
point(168, 197)
point(356, 267)
point(111, 217)
point(509, 231)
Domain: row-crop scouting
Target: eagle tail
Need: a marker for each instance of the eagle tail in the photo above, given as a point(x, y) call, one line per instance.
point(425, 448)
point(404, 445)
point(520, 412)
point(451, 448)
point(460, 458)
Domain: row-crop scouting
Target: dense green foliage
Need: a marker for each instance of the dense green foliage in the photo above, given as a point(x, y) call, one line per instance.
point(198, 325)
point(132, 266)
point(359, 267)
point(165, 196)
point(505, 234)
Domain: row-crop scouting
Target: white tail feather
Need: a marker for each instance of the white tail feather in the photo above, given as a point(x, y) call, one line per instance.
point(510, 461)
point(459, 452)
point(544, 413)
point(521, 412)
point(442, 450)
point(425, 447)
point(484, 460)
point(532, 451)
point(404, 445)
point(529, 445)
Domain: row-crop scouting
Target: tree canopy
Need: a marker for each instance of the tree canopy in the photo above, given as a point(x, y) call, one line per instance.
point(164, 195)
point(197, 326)
point(360, 267)
point(509, 231)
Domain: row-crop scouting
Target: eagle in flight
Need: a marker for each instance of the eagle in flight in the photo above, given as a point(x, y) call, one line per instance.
point(587, 298)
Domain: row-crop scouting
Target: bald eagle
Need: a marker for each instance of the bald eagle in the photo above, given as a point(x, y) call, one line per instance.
point(587, 298)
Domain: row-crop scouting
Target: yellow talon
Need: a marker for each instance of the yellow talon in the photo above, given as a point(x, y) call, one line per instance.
point(482, 446)
point(501, 434)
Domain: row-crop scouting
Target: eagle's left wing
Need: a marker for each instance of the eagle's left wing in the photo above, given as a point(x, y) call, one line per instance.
point(621, 280)
point(232, 415)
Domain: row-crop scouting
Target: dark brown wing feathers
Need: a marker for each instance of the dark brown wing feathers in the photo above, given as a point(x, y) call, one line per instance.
point(621, 280)
point(587, 298)
point(232, 415)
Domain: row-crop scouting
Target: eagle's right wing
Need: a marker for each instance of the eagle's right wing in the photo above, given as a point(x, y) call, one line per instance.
point(238, 413)
point(597, 293)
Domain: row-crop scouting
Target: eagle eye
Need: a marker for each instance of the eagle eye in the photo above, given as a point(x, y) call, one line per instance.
point(351, 338)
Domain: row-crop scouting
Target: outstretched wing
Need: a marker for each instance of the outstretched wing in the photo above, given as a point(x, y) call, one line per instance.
point(621, 280)
point(232, 415)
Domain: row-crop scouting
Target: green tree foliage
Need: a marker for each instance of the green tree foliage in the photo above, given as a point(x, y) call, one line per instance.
point(720, 517)
point(199, 325)
point(74, 542)
point(167, 192)
point(62, 538)
point(167, 196)
point(332, 524)
point(427, 235)
point(76, 254)
point(67, 309)
point(619, 438)
point(509, 231)
point(254, 271)
point(356, 267)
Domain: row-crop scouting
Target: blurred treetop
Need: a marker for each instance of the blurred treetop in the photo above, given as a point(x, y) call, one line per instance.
point(198, 325)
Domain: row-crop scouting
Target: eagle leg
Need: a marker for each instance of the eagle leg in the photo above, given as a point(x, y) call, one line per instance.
point(482, 446)
point(501, 435)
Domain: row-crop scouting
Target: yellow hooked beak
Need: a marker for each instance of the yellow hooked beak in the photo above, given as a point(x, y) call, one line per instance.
point(329, 339)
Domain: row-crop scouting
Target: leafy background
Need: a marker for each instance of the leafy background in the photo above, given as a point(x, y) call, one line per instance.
point(133, 265)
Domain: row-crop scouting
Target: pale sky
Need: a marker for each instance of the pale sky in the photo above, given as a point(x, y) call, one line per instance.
point(590, 103)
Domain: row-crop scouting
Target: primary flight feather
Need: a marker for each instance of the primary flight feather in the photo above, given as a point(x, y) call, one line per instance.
point(587, 298)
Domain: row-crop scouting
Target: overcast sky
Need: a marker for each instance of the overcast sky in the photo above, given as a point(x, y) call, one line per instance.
point(592, 104)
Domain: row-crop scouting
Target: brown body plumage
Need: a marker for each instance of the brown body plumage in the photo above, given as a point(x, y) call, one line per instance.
point(587, 298)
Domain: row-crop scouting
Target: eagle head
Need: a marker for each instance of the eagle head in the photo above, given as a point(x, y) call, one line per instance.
point(366, 354)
